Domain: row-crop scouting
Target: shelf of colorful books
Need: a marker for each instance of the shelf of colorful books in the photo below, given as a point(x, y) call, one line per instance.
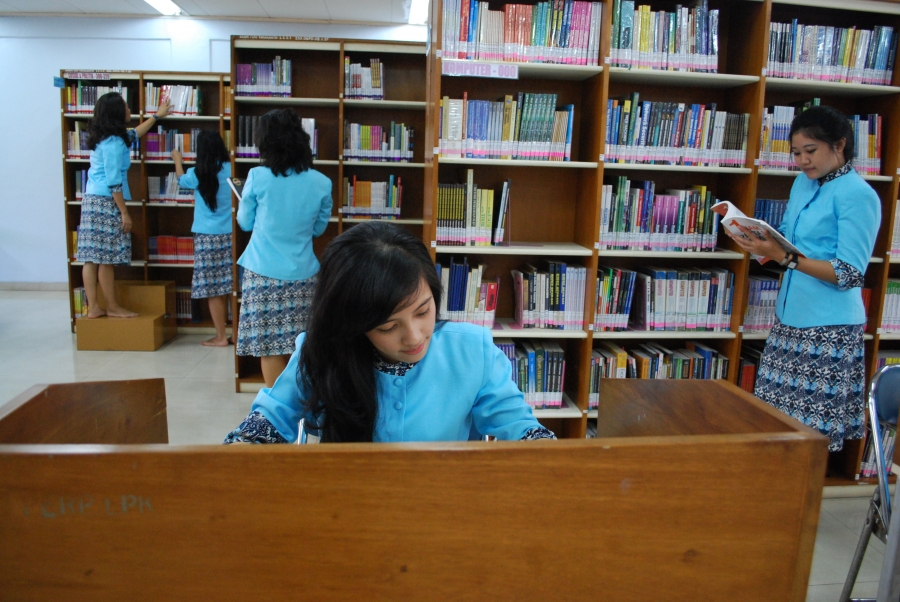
point(663, 334)
point(281, 101)
point(676, 168)
point(388, 164)
point(412, 105)
point(518, 163)
point(568, 410)
point(407, 222)
point(508, 328)
point(679, 78)
point(805, 86)
point(689, 255)
point(550, 71)
point(794, 173)
point(562, 249)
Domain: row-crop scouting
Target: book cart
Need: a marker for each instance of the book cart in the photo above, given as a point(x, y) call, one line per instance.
point(556, 206)
point(150, 217)
point(316, 92)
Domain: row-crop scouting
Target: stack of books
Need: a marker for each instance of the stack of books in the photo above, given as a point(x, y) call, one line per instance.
point(372, 200)
point(166, 190)
point(375, 143)
point(183, 100)
point(264, 79)
point(890, 313)
point(760, 315)
point(76, 143)
point(471, 216)
point(895, 232)
point(183, 303)
point(524, 126)
point(684, 40)
point(551, 296)
point(247, 125)
point(672, 133)
point(467, 297)
point(81, 98)
point(175, 250)
point(833, 54)
point(634, 217)
point(162, 142)
point(363, 82)
point(869, 467)
point(539, 370)
point(560, 31)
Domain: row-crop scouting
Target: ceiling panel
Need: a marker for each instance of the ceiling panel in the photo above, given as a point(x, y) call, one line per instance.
point(297, 9)
point(378, 11)
point(42, 6)
point(190, 7)
point(229, 8)
point(113, 7)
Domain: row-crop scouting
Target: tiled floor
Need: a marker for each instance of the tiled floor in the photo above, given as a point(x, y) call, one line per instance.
point(37, 347)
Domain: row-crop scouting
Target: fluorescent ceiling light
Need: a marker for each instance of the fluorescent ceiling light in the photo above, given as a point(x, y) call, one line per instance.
point(166, 7)
point(418, 12)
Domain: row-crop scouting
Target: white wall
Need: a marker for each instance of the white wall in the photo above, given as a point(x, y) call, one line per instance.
point(33, 50)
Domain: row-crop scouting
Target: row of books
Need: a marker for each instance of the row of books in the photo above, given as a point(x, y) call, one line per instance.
point(538, 369)
point(81, 179)
point(76, 143)
point(363, 82)
point(263, 79)
point(80, 98)
point(165, 189)
point(770, 211)
point(686, 39)
point(671, 133)
point(895, 233)
point(835, 54)
point(171, 249)
point(467, 214)
point(376, 143)
point(525, 126)
point(751, 355)
point(775, 148)
point(183, 100)
point(652, 360)
point(188, 308)
point(467, 296)
point(887, 358)
point(247, 125)
point(868, 468)
point(656, 298)
point(550, 296)
point(160, 144)
point(374, 200)
point(558, 31)
point(890, 313)
point(634, 217)
point(79, 296)
point(763, 293)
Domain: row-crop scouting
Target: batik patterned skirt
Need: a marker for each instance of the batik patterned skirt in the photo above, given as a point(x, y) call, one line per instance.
point(100, 236)
point(816, 375)
point(273, 312)
point(212, 266)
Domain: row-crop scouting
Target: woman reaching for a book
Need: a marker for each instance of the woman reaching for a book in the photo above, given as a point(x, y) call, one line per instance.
point(812, 367)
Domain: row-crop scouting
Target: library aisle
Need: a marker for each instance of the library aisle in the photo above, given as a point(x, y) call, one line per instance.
point(37, 347)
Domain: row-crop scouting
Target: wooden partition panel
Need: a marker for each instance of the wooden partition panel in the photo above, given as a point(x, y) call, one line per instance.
point(682, 518)
point(111, 412)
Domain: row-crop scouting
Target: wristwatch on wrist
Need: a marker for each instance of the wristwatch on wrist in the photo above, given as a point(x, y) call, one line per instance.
point(792, 260)
point(784, 262)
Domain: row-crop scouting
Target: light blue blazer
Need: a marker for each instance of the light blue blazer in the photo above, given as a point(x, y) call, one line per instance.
point(838, 220)
point(110, 161)
point(464, 380)
point(206, 221)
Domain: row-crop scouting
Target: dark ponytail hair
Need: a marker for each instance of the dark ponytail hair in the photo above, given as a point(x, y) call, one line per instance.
point(367, 273)
point(108, 120)
point(282, 143)
point(828, 125)
point(211, 154)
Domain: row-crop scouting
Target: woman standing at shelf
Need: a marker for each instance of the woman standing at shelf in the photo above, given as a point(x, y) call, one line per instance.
point(104, 234)
point(286, 204)
point(373, 364)
point(813, 364)
point(212, 228)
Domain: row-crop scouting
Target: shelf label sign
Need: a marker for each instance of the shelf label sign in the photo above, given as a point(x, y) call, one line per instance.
point(59, 82)
point(85, 75)
point(469, 69)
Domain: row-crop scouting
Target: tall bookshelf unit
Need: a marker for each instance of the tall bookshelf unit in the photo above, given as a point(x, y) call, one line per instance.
point(555, 207)
point(149, 218)
point(317, 85)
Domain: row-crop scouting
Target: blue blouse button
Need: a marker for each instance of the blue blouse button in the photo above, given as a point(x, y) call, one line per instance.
point(398, 405)
point(398, 382)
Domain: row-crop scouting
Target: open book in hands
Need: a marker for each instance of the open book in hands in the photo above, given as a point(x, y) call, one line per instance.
point(237, 186)
point(732, 217)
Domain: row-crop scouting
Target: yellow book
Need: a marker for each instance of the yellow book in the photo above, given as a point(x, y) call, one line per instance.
point(621, 357)
point(505, 150)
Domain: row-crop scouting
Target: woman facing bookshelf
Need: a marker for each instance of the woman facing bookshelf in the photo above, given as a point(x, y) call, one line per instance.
point(104, 235)
point(813, 364)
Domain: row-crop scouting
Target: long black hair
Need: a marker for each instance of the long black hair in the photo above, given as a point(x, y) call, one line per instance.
point(108, 120)
point(367, 273)
point(211, 154)
point(282, 143)
point(828, 125)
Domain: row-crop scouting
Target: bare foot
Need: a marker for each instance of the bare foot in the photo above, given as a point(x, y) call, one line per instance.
point(98, 314)
point(120, 312)
point(216, 342)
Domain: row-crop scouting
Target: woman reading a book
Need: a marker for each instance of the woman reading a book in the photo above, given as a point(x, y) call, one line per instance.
point(211, 227)
point(104, 234)
point(286, 204)
point(374, 365)
point(812, 367)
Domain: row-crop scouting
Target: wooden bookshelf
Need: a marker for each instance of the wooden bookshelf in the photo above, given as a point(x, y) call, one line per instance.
point(317, 84)
point(149, 218)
